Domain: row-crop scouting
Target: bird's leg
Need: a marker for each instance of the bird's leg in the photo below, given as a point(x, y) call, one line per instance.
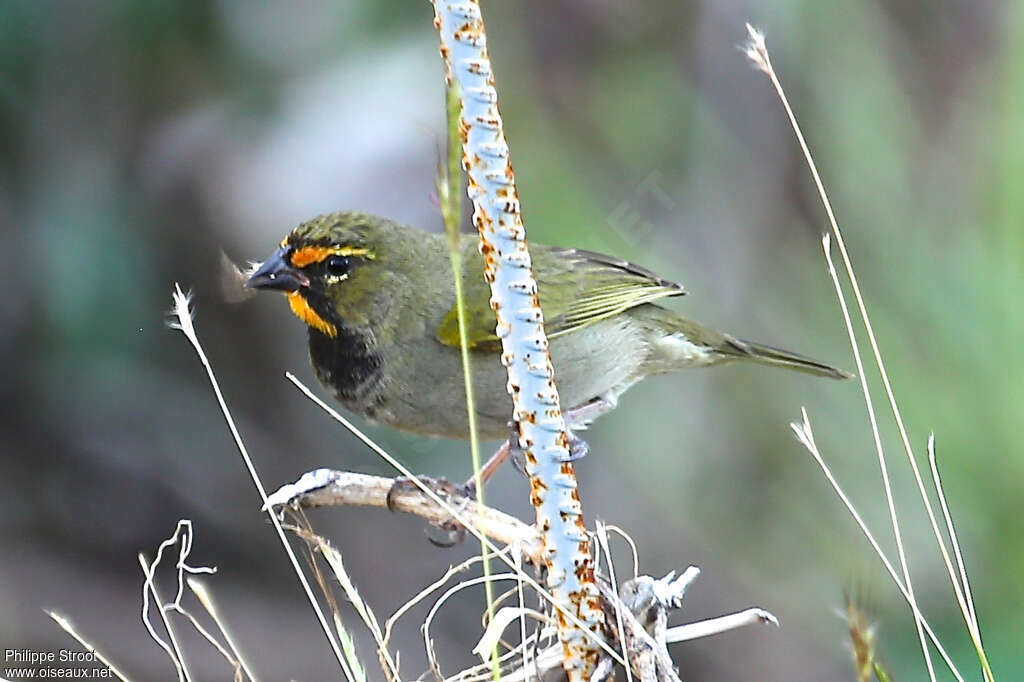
point(579, 417)
point(493, 463)
point(467, 489)
point(452, 532)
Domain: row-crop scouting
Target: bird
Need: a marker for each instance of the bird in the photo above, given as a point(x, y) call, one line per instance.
point(378, 299)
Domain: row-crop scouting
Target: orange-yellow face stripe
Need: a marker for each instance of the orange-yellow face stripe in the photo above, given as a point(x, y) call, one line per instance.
point(309, 316)
point(308, 255)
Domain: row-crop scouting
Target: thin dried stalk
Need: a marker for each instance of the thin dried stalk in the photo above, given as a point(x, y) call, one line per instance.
point(757, 52)
point(805, 435)
point(67, 627)
point(182, 321)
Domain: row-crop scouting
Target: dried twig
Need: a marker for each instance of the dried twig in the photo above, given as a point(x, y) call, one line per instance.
point(331, 488)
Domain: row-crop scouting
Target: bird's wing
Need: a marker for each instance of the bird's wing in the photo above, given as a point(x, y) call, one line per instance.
point(577, 288)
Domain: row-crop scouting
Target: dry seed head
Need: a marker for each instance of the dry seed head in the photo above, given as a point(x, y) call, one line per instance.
point(756, 50)
point(180, 315)
point(862, 639)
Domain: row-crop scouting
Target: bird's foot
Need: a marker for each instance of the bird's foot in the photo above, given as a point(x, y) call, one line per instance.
point(446, 533)
point(579, 417)
point(515, 450)
point(441, 485)
point(578, 449)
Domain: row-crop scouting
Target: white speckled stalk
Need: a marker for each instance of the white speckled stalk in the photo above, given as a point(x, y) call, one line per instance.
point(520, 326)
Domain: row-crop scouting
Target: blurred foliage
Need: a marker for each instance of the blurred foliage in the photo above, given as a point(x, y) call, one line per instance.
point(137, 139)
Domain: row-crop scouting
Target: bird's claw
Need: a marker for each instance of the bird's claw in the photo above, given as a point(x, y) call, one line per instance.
point(515, 451)
point(448, 533)
point(442, 486)
point(578, 449)
point(445, 535)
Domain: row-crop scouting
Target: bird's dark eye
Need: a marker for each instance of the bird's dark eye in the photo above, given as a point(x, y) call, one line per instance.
point(337, 266)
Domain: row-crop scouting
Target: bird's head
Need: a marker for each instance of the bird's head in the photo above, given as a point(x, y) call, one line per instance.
point(331, 268)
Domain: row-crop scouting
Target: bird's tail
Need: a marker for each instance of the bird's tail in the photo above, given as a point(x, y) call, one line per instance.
point(681, 342)
point(777, 357)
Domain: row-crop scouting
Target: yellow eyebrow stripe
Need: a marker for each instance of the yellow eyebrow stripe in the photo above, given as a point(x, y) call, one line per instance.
point(308, 255)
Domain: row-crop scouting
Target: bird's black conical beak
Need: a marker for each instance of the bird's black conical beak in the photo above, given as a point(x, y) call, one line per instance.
point(277, 274)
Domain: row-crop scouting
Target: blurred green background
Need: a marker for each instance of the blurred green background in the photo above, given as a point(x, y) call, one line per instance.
point(138, 139)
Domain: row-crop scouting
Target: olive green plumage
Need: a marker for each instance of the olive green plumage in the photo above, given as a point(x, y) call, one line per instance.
point(379, 299)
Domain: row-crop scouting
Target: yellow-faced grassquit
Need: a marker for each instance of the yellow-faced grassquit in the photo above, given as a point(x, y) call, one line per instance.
point(379, 300)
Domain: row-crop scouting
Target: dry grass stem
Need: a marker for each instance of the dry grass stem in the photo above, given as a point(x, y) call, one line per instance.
point(206, 600)
point(67, 627)
point(452, 571)
point(348, 646)
point(172, 649)
point(503, 618)
point(435, 666)
point(806, 437)
point(316, 544)
point(826, 244)
point(517, 557)
point(182, 320)
point(212, 639)
point(601, 533)
point(757, 51)
point(333, 558)
point(549, 658)
point(611, 528)
point(183, 537)
point(964, 599)
point(449, 190)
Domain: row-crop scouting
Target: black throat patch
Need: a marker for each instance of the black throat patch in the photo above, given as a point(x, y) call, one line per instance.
point(347, 365)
